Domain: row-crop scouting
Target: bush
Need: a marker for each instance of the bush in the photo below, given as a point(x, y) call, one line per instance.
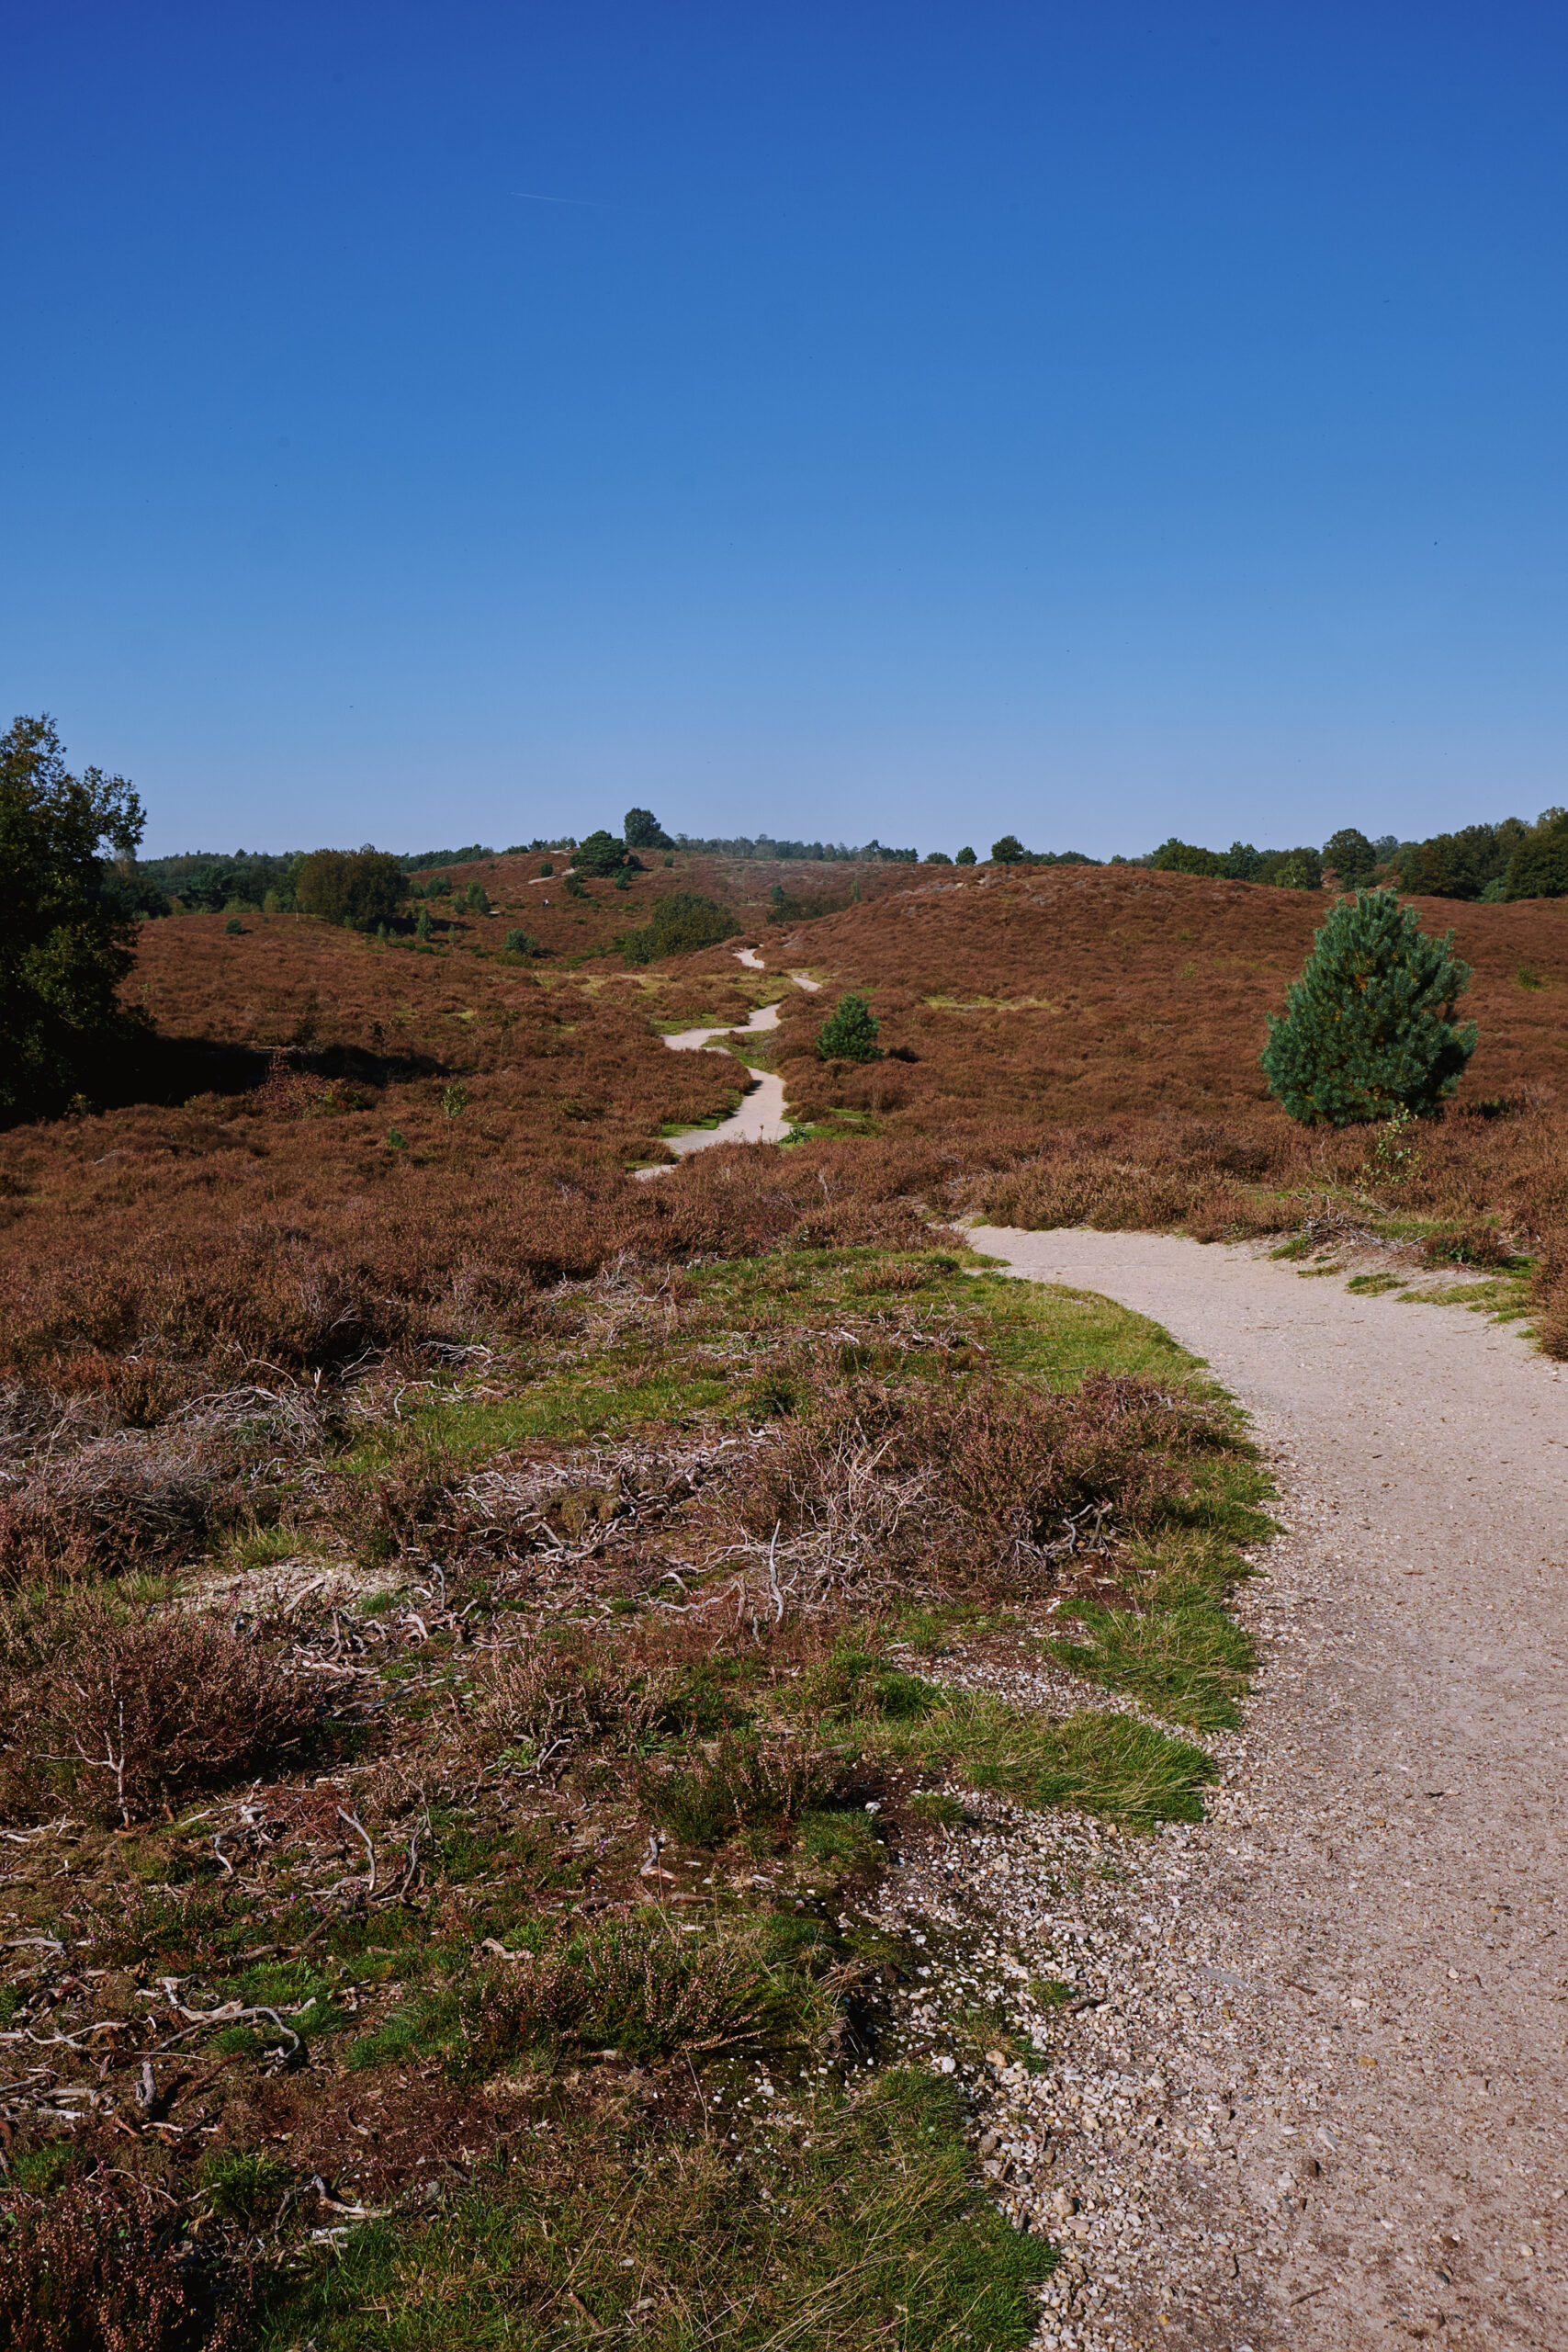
point(964, 857)
point(600, 854)
point(680, 925)
point(65, 944)
point(126, 1715)
point(1369, 1028)
point(849, 1035)
point(1008, 851)
point(522, 942)
point(359, 888)
point(93, 2269)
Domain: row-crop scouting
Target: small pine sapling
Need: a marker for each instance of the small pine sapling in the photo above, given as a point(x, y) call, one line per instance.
point(1368, 1028)
point(851, 1034)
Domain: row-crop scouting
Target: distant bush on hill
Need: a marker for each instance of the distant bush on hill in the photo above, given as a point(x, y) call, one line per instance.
point(679, 925)
point(359, 888)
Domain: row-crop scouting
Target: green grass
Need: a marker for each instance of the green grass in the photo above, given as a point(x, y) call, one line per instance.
point(863, 2228)
point(1181, 1656)
point(1107, 1764)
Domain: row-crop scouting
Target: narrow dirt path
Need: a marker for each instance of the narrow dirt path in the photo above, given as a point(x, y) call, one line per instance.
point(761, 1117)
point(1384, 1879)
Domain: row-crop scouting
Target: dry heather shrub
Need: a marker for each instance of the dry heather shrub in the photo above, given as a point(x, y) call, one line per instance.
point(643, 1988)
point(131, 1499)
point(974, 1481)
point(558, 1694)
point(123, 1715)
point(1549, 1295)
point(92, 2269)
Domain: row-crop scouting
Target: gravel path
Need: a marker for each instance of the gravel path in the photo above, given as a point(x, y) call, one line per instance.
point(1321, 2095)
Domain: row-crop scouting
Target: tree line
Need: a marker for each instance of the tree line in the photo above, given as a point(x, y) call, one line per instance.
point(1489, 862)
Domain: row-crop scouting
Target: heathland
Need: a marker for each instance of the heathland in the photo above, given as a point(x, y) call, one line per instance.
point(482, 1634)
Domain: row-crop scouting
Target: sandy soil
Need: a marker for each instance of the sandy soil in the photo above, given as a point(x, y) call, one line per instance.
point(1380, 1896)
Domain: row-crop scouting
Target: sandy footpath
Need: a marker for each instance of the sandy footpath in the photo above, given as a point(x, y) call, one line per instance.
point(1381, 1894)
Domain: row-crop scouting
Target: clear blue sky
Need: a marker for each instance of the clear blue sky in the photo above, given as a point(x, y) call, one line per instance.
point(431, 422)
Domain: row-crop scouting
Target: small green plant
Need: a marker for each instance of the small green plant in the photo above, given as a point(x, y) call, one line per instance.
point(575, 887)
point(622, 880)
point(455, 1099)
point(545, 871)
point(1394, 1157)
point(849, 1035)
point(233, 928)
point(521, 943)
point(397, 1140)
point(1527, 976)
point(241, 2186)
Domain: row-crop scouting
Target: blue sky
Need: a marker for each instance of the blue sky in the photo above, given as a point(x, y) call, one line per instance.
point(427, 424)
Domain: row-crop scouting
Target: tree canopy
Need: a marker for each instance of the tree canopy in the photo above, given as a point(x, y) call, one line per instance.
point(642, 830)
point(359, 888)
point(66, 943)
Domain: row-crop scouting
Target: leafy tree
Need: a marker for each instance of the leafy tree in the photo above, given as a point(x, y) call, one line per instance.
point(522, 942)
point(937, 857)
point(1008, 851)
point(574, 885)
point(642, 830)
point(679, 925)
point(1368, 1028)
point(600, 854)
point(1242, 862)
point(1183, 857)
point(65, 944)
point(849, 1035)
point(964, 857)
point(359, 888)
point(1461, 865)
point(1352, 857)
point(1292, 869)
point(1539, 866)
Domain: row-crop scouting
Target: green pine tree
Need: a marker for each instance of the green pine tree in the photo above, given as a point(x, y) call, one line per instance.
point(851, 1034)
point(1368, 1028)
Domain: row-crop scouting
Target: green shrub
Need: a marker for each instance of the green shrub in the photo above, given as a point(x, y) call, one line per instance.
point(679, 925)
point(849, 1035)
point(522, 942)
point(1368, 1028)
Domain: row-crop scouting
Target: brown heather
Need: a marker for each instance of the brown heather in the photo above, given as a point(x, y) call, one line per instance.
point(391, 1146)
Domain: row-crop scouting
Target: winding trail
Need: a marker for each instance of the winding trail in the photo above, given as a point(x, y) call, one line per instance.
point(1391, 1904)
point(761, 1117)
